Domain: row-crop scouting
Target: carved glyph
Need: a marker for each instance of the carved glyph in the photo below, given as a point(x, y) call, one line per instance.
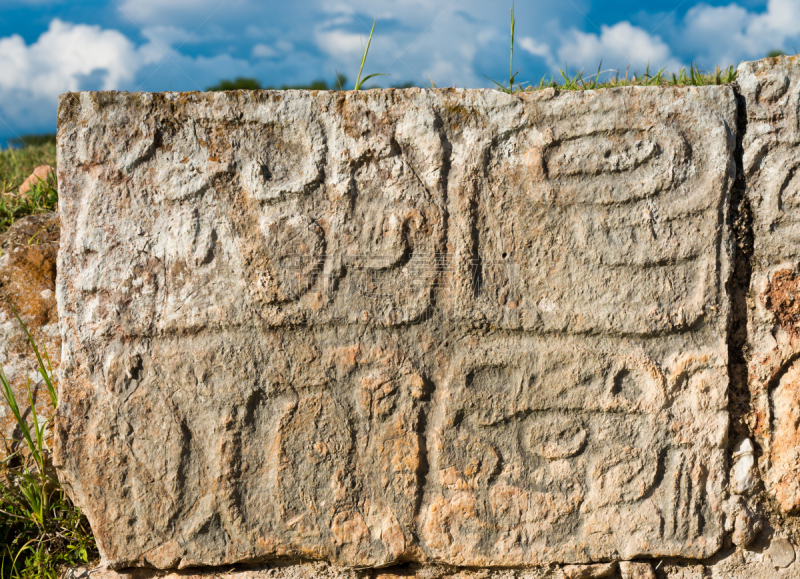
point(450, 326)
point(771, 161)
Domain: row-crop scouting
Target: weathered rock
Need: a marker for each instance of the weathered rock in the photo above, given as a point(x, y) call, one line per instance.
point(743, 477)
point(733, 566)
point(444, 326)
point(636, 570)
point(27, 284)
point(771, 157)
point(746, 527)
point(595, 571)
point(41, 174)
point(781, 552)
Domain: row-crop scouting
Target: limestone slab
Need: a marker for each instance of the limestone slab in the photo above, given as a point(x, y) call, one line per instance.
point(771, 159)
point(451, 326)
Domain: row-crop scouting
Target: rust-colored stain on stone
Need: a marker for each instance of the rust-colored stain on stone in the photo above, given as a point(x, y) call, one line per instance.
point(782, 298)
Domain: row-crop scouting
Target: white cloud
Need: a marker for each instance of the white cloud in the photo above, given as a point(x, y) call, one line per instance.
point(294, 42)
point(279, 49)
point(455, 42)
point(263, 51)
point(414, 40)
point(728, 34)
point(159, 11)
point(64, 56)
point(618, 47)
point(165, 37)
point(72, 57)
point(782, 17)
point(338, 43)
point(539, 49)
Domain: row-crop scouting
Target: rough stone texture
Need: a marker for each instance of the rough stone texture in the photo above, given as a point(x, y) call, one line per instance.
point(28, 282)
point(589, 571)
point(745, 528)
point(771, 158)
point(451, 326)
point(736, 564)
point(781, 553)
point(636, 570)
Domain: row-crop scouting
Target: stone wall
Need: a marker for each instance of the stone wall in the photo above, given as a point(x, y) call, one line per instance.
point(436, 329)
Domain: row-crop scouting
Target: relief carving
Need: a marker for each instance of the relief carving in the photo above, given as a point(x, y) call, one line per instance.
point(541, 446)
point(612, 230)
point(771, 162)
point(455, 327)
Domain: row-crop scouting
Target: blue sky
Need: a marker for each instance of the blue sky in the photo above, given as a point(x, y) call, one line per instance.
point(51, 46)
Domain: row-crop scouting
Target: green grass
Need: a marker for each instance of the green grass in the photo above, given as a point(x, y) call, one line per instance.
point(360, 81)
point(511, 73)
point(41, 531)
point(578, 80)
point(15, 166)
point(692, 77)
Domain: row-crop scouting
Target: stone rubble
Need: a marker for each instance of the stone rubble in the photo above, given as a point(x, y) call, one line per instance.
point(27, 284)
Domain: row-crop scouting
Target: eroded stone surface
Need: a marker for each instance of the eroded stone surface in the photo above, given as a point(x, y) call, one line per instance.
point(436, 326)
point(771, 159)
point(781, 552)
point(736, 564)
point(636, 570)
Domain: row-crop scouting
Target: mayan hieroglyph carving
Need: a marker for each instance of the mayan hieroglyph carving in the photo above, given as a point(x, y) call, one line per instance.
point(771, 161)
point(571, 438)
point(442, 326)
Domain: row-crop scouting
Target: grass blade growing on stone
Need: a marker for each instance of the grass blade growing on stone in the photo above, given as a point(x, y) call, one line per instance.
point(360, 81)
point(511, 74)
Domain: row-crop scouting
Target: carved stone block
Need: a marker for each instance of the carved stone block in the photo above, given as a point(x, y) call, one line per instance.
point(451, 326)
point(771, 159)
